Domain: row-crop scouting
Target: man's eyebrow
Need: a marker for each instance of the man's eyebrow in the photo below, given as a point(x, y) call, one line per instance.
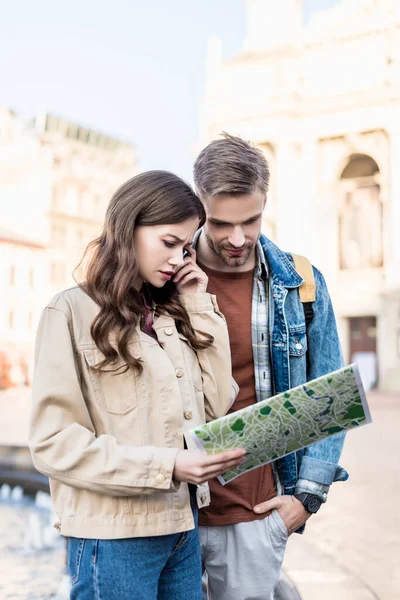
point(219, 222)
point(254, 217)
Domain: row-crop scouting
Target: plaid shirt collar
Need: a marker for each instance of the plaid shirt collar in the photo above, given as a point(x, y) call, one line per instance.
point(259, 327)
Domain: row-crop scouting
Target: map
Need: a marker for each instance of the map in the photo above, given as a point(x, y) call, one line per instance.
point(287, 422)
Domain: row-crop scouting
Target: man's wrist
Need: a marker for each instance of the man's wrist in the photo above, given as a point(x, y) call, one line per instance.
point(305, 486)
point(311, 502)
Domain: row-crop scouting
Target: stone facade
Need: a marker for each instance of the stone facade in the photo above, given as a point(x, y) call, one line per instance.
point(23, 284)
point(323, 102)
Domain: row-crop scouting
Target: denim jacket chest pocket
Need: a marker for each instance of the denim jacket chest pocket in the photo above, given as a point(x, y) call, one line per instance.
point(297, 340)
point(115, 388)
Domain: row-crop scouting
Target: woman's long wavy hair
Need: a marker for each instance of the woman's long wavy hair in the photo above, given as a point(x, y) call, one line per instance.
point(151, 198)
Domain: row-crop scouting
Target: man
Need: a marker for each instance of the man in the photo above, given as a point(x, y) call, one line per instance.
point(244, 531)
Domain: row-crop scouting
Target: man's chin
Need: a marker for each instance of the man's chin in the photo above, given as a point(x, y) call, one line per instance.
point(235, 261)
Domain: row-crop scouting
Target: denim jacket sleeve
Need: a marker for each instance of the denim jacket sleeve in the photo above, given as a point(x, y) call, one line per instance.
point(320, 460)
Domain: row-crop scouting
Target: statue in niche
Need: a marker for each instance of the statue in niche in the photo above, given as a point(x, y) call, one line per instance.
point(361, 243)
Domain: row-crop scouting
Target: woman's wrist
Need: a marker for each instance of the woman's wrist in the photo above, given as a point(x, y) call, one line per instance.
point(200, 290)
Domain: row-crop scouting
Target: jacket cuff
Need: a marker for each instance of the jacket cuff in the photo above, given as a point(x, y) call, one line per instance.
point(320, 471)
point(199, 302)
point(162, 470)
point(310, 487)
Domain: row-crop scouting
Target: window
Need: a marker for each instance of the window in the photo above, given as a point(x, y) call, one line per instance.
point(12, 276)
point(80, 238)
point(58, 273)
point(81, 204)
point(71, 200)
point(58, 236)
point(56, 198)
point(97, 208)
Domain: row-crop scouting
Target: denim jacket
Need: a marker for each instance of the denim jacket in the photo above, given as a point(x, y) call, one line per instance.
point(297, 357)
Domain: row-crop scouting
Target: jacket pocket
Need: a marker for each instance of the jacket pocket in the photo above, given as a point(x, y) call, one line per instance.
point(192, 364)
point(297, 340)
point(197, 378)
point(115, 389)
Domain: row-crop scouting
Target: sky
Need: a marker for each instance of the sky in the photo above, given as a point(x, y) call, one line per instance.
point(132, 69)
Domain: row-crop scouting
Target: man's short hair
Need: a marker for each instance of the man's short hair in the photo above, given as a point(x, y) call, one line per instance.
point(230, 165)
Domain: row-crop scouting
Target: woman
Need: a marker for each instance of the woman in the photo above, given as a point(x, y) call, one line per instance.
point(125, 363)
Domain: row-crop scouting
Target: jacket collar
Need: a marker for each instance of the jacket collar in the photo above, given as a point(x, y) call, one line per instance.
point(280, 267)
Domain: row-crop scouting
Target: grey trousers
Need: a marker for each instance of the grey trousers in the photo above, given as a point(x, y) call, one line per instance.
point(243, 561)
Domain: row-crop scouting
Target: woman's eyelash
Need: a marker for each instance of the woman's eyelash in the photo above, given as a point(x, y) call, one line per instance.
point(169, 244)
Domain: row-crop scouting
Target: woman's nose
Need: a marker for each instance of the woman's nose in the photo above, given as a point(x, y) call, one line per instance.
point(177, 259)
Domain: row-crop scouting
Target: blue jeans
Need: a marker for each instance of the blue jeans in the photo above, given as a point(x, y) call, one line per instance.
point(166, 567)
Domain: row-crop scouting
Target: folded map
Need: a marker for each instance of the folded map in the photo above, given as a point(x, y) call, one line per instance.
point(287, 422)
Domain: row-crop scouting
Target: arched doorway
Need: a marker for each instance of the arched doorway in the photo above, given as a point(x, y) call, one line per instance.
point(361, 215)
point(361, 249)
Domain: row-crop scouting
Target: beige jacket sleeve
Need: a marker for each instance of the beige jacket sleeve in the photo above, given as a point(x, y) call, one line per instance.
point(220, 389)
point(62, 438)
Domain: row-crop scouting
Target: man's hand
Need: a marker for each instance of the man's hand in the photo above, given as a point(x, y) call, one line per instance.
point(291, 510)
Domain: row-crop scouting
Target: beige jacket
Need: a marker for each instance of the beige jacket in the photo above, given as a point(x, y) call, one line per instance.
point(108, 442)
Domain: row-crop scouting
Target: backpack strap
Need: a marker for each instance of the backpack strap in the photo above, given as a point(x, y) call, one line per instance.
point(307, 288)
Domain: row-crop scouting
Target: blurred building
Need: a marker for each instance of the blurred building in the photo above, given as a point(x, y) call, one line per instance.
point(323, 102)
point(23, 283)
point(56, 179)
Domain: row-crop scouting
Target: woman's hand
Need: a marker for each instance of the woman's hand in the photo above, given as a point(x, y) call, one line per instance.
point(195, 467)
point(190, 279)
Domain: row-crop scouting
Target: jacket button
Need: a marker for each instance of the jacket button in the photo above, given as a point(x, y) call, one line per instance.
point(299, 346)
point(160, 478)
point(168, 331)
point(188, 415)
point(179, 372)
